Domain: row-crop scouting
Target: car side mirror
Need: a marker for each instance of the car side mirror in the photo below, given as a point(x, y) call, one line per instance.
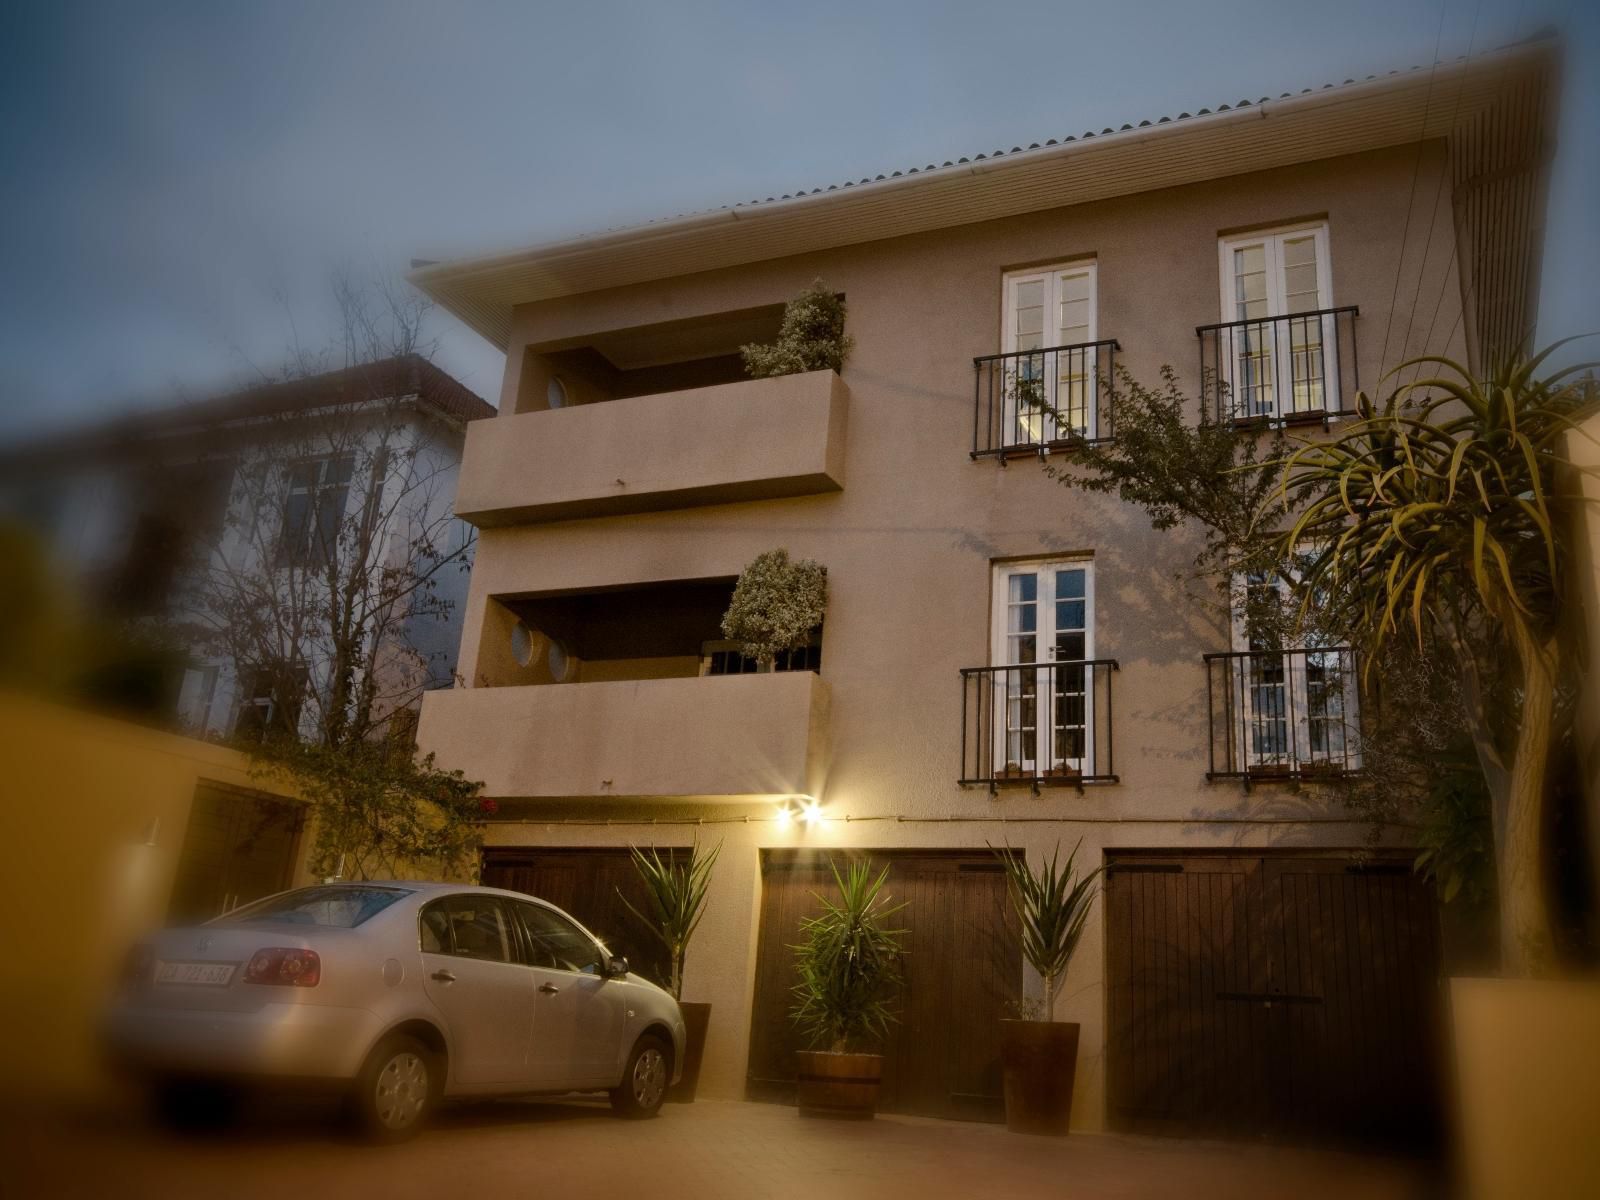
point(615, 966)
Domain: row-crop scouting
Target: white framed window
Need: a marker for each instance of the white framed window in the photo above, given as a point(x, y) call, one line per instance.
point(1042, 638)
point(1299, 708)
point(1279, 344)
point(314, 509)
point(1050, 385)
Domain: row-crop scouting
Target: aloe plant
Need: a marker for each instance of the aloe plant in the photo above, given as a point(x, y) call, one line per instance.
point(849, 963)
point(1052, 904)
point(677, 894)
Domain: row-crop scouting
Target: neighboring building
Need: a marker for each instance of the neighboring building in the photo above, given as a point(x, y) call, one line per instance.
point(1003, 662)
point(136, 510)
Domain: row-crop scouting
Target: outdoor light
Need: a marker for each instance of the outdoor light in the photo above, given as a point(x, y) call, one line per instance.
point(785, 817)
point(811, 812)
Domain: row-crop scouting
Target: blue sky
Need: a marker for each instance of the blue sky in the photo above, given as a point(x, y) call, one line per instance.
point(180, 179)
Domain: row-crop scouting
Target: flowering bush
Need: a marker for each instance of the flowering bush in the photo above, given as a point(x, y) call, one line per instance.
point(811, 338)
point(777, 605)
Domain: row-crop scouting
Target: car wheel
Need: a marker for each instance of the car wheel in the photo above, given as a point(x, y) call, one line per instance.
point(645, 1080)
point(397, 1088)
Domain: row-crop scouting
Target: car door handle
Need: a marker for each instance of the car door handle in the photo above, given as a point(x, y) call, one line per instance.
point(445, 976)
point(549, 989)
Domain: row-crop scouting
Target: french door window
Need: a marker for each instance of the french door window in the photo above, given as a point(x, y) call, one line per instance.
point(1043, 637)
point(1050, 387)
point(1280, 347)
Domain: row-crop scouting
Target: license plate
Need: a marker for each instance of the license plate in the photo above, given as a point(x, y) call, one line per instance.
point(204, 974)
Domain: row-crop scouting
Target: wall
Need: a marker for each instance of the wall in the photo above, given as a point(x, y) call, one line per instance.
point(910, 541)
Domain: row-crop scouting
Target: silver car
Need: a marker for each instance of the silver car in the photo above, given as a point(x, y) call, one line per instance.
point(402, 994)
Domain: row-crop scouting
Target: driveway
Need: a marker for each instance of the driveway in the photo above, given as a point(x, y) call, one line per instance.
point(709, 1150)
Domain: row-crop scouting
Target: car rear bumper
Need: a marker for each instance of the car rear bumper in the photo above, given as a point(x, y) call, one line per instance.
point(275, 1041)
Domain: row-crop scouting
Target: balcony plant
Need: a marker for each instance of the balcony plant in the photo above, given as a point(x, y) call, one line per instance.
point(1040, 1057)
point(676, 888)
point(848, 961)
point(778, 605)
point(810, 338)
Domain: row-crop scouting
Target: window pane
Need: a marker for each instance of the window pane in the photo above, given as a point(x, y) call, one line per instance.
point(478, 928)
point(1069, 584)
point(557, 943)
point(1024, 587)
point(330, 907)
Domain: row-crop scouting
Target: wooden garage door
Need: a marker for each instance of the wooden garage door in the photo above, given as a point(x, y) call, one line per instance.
point(238, 847)
point(589, 884)
point(1277, 995)
point(963, 964)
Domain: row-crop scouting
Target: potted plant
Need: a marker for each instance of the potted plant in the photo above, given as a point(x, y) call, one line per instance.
point(777, 606)
point(677, 900)
point(848, 960)
point(811, 337)
point(1040, 1056)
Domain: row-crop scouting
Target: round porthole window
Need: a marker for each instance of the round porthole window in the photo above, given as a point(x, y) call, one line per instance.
point(522, 644)
point(555, 393)
point(560, 662)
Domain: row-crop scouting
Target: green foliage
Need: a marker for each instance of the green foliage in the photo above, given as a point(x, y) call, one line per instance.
point(1457, 836)
point(1052, 904)
point(811, 337)
point(777, 605)
point(849, 964)
point(677, 892)
point(380, 813)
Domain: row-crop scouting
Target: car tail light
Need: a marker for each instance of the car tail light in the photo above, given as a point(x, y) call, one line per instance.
point(284, 966)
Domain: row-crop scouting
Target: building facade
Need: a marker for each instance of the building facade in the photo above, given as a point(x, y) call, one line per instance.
point(1004, 663)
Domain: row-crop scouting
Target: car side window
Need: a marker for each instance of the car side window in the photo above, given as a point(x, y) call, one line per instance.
point(468, 927)
point(556, 942)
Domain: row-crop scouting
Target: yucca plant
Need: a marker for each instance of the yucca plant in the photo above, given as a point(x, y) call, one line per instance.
point(848, 960)
point(1441, 514)
point(1052, 904)
point(677, 895)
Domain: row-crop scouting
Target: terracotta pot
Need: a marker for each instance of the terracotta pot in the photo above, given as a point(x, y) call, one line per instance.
point(838, 1085)
point(695, 1019)
point(1040, 1059)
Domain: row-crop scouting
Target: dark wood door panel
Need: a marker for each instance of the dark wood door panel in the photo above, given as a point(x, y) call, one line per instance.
point(962, 967)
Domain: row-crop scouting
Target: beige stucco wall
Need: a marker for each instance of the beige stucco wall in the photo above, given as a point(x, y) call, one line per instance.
point(93, 812)
point(910, 541)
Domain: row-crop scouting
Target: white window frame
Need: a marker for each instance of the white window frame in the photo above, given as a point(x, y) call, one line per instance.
point(1015, 430)
point(1007, 685)
point(1244, 344)
point(1289, 687)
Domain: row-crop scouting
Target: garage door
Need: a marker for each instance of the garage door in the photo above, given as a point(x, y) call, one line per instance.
point(238, 847)
point(589, 884)
point(1277, 995)
point(963, 965)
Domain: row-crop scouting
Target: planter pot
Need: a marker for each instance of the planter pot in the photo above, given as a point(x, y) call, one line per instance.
point(1040, 1060)
point(838, 1085)
point(1527, 1067)
point(696, 1017)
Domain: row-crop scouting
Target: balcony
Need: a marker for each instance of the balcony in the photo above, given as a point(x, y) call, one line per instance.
point(1283, 714)
point(702, 737)
point(1034, 401)
point(1281, 370)
point(1037, 725)
point(758, 439)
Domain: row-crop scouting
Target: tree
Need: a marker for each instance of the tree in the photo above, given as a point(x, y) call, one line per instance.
point(1440, 514)
point(322, 584)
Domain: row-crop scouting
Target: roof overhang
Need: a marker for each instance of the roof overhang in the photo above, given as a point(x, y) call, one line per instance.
point(1391, 110)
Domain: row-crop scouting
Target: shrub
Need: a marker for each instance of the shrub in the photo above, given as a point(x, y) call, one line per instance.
point(811, 338)
point(777, 605)
point(849, 964)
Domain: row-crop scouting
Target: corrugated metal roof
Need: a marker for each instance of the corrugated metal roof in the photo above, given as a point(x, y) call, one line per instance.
point(1208, 143)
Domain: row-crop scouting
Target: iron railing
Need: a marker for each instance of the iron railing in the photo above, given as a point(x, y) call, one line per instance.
point(1035, 400)
point(1299, 367)
point(1277, 714)
point(1037, 724)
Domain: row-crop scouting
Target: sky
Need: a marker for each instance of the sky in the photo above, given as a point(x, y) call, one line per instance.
point(180, 181)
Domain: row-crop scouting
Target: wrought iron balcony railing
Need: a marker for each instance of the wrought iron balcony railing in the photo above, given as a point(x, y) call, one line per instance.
point(1035, 400)
point(1299, 367)
point(1280, 714)
point(1037, 724)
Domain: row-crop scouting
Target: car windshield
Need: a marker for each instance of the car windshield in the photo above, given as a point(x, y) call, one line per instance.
point(331, 907)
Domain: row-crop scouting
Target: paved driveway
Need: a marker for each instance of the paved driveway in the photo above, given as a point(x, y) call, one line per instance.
point(709, 1150)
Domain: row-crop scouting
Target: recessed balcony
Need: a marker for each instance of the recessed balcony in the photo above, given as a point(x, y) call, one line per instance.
point(757, 439)
point(1284, 714)
point(703, 737)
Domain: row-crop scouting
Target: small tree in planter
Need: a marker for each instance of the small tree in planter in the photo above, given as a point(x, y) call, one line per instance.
point(849, 966)
point(811, 337)
point(1040, 1057)
point(777, 606)
point(677, 901)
